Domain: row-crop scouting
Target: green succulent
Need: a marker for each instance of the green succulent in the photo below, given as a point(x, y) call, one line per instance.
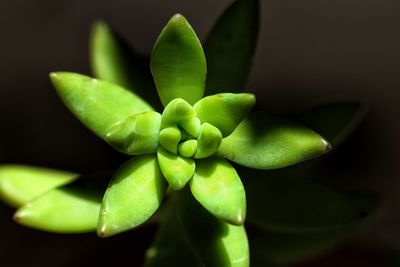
point(193, 144)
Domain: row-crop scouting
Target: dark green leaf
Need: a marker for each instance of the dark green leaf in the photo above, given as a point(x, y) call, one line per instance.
point(265, 142)
point(178, 63)
point(230, 47)
point(280, 203)
point(170, 248)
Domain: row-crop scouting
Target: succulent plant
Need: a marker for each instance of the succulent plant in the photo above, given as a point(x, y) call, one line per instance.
point(195, 146)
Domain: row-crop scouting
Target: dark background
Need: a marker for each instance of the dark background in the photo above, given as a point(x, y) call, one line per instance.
point(309, 52)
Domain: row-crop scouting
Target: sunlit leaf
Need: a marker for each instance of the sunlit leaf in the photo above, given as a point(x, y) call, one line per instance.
point(21, 183)
point(265, 142)
point(73, 208)
point(178, 63)
point(224, 111)
point(133, 195)
point(97, 104)
point(217, 187)
point(177, 170)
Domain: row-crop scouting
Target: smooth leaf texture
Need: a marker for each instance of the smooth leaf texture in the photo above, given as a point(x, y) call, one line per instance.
point(218, 188)
point(264, 142)
point(217, 243)
point(21, 183)
point(112, 60)
point(335, 121)
point(137, 134)
point(225, 111)
point(230, 47)
point(170, 248)
point(97, 104)
point(208, 141)
point(73, 208)
point(281, 203)
point(133, 195)
point(176, 112)
point(177, 170)
point(178, 63)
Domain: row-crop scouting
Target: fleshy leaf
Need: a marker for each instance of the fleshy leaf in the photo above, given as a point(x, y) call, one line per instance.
point(170, 248)
point(177, 111)
point(225, 111)
point(335, 121)
point(97, 104)
point(187, 148)
point(20, 183)
point(177, 170)
point(282, 203)
point(133, 195)
point(230, 47)
point(137, 134)
point(264, 142)
point(178, 63)
point(73, 208)
point(208, 141)
point(112, 60)
point(170, 138)
point(217, 243)
point(217, 187)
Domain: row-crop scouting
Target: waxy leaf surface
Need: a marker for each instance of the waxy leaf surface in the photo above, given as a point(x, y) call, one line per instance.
point(264, 142)
point(178, 63)
point(133, 195)
point(137, 134)
point(97, 104)
point(177, 170)
point(217, 187)
point(73, 208)
point(217, 243)
point(20, 183)
point(230, 47)
point(225, 111)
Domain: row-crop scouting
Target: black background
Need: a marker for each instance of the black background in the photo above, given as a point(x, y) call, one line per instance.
point(309, 52)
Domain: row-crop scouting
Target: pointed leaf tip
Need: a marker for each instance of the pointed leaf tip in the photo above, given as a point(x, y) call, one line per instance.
point(178, 63)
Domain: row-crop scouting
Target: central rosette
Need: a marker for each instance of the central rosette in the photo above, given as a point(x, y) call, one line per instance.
point(182, 133)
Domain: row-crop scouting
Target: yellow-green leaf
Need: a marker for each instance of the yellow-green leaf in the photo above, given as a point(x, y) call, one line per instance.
point(134, 194)
point(21, 183)
point(97, 104)
point(178, 63)
point(224, 111)
point(265, 142)
point(73, 208)
point(218, 188)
